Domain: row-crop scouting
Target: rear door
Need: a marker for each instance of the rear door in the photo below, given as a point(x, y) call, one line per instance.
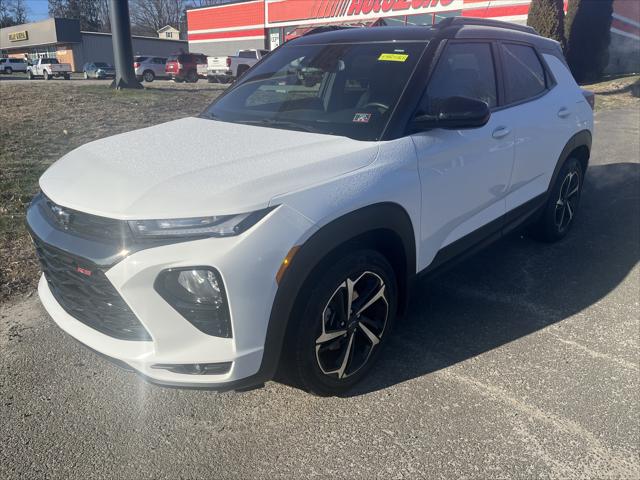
point(464, 173)
point(542, 118)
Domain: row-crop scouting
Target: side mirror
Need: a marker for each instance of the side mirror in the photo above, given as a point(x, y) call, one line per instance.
point(455, 113)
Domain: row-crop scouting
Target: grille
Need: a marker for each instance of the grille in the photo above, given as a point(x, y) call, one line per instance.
point(90, 299)
point(83, 224)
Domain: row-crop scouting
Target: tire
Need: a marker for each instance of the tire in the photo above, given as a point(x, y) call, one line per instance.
point(558, 215)
point(8, 70)
point(86, 76)
point(46, 75)
point(148, 76)
point(192, 76)
point(327, 350)
point(29, 74)
point(67, 76)
point(178, 80)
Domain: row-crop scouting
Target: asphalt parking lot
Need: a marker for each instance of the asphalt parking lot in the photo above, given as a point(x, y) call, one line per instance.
point(521, 362)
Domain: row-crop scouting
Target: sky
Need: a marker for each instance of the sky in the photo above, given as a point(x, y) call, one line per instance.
point(38, 9)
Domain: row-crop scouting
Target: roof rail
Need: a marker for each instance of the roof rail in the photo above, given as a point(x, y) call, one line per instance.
point(484, 22)
point(327, 28)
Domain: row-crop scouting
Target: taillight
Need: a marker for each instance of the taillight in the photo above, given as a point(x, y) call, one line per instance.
point(228, 62)
point(136, 64)
point(590, 97)
point(180, 67)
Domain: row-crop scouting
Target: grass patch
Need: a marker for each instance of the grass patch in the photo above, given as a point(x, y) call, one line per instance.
point(40, 122)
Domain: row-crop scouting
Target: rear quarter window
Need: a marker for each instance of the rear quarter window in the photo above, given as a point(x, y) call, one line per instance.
point(525, 76)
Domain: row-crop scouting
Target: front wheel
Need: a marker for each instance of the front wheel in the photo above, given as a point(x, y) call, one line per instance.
point(30, 75)
point(562, 206)
point(349, 314)
point(46, 75)
point(8, 70)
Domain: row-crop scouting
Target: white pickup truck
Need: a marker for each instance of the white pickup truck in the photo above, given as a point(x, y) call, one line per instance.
point(49, 68)
point(224, 69)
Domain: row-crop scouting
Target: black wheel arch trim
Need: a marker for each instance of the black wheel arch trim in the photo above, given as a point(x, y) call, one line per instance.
point(387, 216)
point(581, 139)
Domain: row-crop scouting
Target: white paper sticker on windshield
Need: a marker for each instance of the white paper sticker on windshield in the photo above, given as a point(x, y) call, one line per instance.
point(362, 117)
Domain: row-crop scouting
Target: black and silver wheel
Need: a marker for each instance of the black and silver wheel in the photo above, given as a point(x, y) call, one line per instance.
point(347, 318)
point(148, 76)
point(562, 206)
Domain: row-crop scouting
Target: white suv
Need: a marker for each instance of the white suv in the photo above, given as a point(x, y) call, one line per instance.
point(10, 65)
point(279, 232)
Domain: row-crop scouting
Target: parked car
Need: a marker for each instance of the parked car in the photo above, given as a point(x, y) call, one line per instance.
point(10, 65)
point(98, 70)
point(184, 67)
point(49, 68)
point(224, 69)
point(307, 199)
point(148, 68)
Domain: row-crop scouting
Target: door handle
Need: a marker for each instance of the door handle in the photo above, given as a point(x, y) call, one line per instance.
point(500, 132)
point(564, 112)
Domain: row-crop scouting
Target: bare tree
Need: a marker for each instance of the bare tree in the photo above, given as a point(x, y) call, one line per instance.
point(12, 12)
point(149, 16)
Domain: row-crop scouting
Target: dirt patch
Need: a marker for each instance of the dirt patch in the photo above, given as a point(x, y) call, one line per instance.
point(616, 92)
point(40, 122)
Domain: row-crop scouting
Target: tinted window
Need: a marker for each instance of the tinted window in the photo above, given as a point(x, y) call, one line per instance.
point(524, 73)
point(101, 65)
point(139, 59)
point(464, 70)
point(246, 54)
point(339, 89)
point(159, 60)
point(15, 61)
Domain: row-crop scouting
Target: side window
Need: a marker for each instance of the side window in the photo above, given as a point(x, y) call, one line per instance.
point(525, 75)
point(463, 70)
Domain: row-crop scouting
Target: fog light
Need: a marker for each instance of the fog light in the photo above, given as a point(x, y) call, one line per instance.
point(202, 285)
point(197, 293)
point(195, 368)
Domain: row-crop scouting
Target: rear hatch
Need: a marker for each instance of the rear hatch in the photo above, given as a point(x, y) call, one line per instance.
point(218, 64)
point(173, 65)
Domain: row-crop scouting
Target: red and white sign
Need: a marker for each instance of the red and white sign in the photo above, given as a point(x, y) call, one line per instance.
point(293, 12)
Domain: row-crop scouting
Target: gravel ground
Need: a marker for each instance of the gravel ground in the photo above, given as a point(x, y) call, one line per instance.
point(521, 362)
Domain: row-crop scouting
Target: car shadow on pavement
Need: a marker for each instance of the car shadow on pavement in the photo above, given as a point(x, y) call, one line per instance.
point(518, 286)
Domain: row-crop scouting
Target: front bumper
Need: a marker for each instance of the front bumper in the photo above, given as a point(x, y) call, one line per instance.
point(247, 263)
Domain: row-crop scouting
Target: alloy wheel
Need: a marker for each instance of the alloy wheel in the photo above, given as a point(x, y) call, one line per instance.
point(353, 322)
point(567, 202)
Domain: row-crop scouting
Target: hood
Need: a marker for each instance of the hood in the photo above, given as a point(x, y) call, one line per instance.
point(197, 167)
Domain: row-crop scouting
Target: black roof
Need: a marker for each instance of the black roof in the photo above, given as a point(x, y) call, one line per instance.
point(453, 27)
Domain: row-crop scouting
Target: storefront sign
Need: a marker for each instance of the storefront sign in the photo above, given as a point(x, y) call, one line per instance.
point(289, 12)
point(18, 36)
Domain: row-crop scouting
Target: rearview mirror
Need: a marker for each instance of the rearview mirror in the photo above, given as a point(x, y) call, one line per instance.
point(454, 113)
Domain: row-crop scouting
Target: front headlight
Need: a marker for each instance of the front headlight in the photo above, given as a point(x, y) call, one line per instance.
point(218, 226)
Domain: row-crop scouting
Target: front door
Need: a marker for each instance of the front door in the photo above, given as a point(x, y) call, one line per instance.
point(464, 174)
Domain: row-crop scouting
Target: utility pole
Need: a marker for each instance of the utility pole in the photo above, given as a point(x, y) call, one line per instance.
point(122, 49)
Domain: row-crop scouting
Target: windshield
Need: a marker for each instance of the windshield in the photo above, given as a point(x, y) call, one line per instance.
point(101, 65)
point(338, 89)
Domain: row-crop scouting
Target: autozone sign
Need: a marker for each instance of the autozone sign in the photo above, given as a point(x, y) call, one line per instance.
point(357, 7)
point(289, 12)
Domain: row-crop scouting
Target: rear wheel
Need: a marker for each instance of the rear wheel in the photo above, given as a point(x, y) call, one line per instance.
point(348, 316)
point(562, 206)
point(8, 70)
point(67, 76)
point(148, 76)
point(192, 76)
